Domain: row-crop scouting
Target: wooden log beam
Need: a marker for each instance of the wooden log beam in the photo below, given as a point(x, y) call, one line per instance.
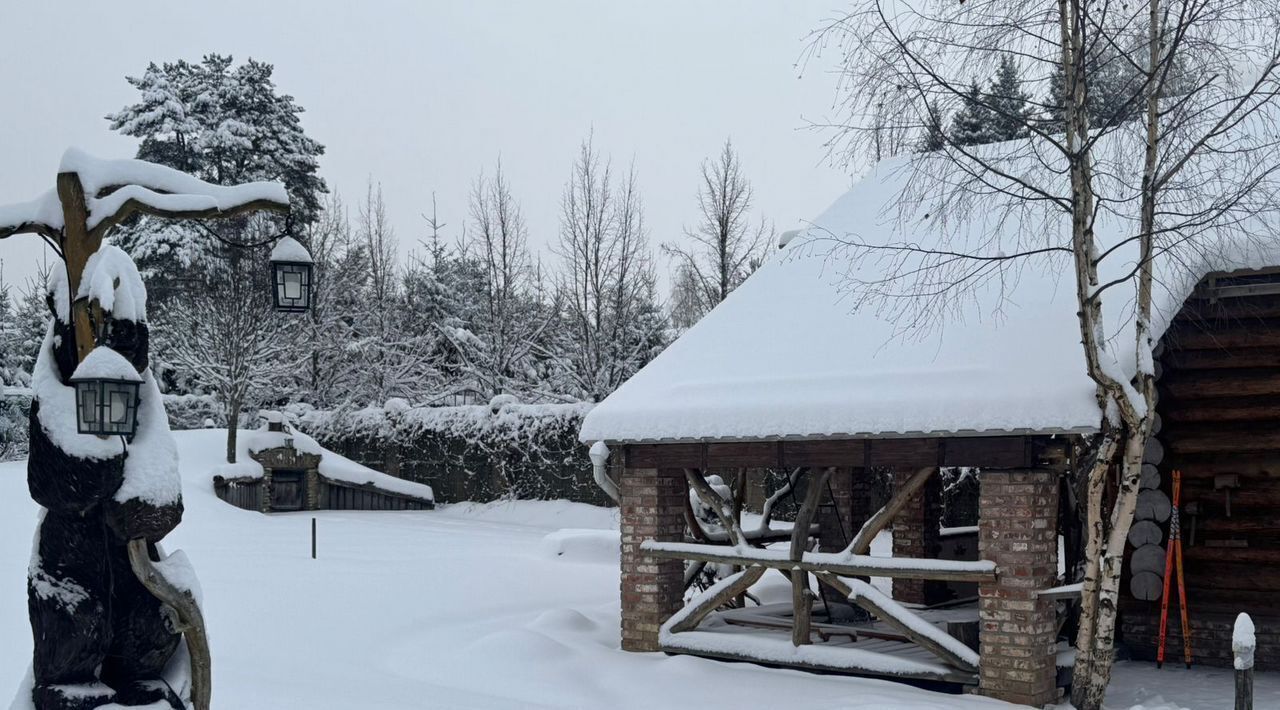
point(1215, 359)
point(883, 517)
point(1222, 409)
point(934, 643)
point(721, 507)
point(907, 452)
point(1256, 333)
point(801, 596)
point(1200, 384)
point(689, 617)
point(860, 566)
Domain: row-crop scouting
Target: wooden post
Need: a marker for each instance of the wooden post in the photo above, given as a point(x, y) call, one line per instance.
point(313, 538)
point(1243, 644)
point(801, 596)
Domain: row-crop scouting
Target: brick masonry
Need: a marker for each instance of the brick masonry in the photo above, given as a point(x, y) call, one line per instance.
point(915, 534)
point(1017, 529)
point(652, 507)
point(844, 511)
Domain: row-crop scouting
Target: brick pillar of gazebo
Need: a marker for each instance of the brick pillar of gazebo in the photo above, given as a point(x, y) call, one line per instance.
point(652, 507)
point(1018, 531)
point(915, 534)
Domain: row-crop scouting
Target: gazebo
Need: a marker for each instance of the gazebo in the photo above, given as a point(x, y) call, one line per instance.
point(788, 373)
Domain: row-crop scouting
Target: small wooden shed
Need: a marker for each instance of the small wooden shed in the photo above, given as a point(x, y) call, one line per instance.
point(787, 374)
point(283, 470)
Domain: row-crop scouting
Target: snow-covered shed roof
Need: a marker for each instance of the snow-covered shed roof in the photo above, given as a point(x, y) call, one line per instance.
point(792, 354)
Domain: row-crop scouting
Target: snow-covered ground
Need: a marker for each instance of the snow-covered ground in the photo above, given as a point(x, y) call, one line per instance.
point(498, 606)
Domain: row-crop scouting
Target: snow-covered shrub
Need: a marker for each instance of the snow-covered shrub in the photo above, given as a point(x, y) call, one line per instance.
point(195, 411)
point(477, 453)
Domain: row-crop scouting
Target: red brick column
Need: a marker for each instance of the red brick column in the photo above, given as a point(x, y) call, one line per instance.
point(652, 506)
point(915, 534)
point(1018, 530)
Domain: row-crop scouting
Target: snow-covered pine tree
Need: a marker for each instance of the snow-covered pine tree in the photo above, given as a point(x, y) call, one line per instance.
point(1007, 103)
point(31, 318)
point(225, 124)
point(11, 373)
point(935, 133)
point(973, 123)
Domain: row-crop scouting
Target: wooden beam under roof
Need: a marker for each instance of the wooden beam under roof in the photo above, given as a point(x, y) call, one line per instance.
point(1015, 451)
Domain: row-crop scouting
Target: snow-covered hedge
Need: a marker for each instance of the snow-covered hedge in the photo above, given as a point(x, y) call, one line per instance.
point(476, 453)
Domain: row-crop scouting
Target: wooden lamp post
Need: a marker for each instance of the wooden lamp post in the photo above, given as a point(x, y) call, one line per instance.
point(91, 198)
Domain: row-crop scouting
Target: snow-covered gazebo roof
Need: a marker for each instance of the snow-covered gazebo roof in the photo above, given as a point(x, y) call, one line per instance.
point(790, 354)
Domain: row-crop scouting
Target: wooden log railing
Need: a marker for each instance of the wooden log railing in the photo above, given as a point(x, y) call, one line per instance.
point(835, 563)
point(797, 563)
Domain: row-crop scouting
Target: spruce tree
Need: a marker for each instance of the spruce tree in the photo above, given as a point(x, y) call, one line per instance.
point(1008, 102)
point(972, 124)
point(935, 135)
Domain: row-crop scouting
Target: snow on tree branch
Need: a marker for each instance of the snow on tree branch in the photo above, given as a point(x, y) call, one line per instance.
point(42, 216)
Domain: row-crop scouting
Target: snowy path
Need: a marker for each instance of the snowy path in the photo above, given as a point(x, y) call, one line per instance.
point(464, 607)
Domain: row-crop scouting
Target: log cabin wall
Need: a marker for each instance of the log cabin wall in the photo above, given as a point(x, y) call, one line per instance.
point(1219, 385)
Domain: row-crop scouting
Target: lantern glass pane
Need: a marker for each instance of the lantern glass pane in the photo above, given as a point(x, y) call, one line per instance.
point(119, 410)
point(88, 392)
point(292, 285)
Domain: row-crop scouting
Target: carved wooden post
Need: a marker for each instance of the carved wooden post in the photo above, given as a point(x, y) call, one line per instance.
point(1243, 644)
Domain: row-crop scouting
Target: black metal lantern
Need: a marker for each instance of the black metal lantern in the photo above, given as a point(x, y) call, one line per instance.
point(107, 394)
point(291, 273)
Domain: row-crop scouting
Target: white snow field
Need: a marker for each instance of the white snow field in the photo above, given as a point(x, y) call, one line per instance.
point(511, 605)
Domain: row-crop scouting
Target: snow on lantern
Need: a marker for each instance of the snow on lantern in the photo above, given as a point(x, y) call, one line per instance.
point(291, 270)
point(107, 395)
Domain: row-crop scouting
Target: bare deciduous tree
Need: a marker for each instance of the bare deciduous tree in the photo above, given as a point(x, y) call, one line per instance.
point(226, 340)
point(606, 280)
point(725, 246)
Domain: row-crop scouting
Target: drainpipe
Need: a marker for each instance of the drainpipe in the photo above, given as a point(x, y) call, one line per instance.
point(599, 459)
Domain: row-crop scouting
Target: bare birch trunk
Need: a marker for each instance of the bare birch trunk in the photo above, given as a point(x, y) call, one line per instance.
point(1095, 487)
point(1109, 573)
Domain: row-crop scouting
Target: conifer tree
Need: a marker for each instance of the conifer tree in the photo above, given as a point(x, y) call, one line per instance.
point(972, 124)
point(935, 133)
point(1008, 102)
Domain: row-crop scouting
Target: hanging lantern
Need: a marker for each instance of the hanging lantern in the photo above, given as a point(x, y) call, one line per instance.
point(107, 394)
point(291, 271)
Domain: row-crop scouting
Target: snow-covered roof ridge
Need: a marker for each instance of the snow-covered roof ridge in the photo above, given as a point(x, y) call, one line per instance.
point(795, 353)
point(104, 363)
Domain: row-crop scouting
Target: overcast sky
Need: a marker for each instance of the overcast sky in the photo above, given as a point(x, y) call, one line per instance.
point(421, 95)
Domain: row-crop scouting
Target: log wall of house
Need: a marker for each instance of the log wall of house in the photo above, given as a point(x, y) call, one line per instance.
point(1219, 385)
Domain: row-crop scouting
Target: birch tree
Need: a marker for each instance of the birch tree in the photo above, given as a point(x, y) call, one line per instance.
point(1194, 164)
